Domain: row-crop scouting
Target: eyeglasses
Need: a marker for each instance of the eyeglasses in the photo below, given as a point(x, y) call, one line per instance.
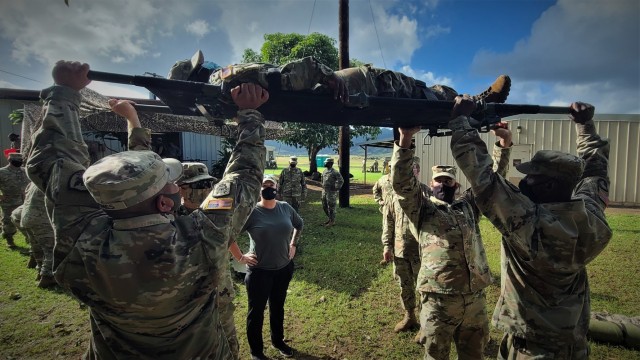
point(444, 180)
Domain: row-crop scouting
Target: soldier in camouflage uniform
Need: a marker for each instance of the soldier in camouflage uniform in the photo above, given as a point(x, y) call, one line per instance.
point(149, 281)
point(291, 184)
point(401, 247)
point(13, 182)
point(331, 183)
point(306, 73)
point(454, 271)
point(381, 189)
point(553, 225)
point(36, 224)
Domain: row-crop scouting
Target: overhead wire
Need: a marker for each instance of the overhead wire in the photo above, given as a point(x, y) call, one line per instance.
point(21, 76)
point(373, 18)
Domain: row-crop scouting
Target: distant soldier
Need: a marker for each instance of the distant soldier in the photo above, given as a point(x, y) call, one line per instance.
point(331, 183)
point(13, 182)
point(36, 224)
point(195, 184)
point(401, 247)
point(292, 185)
point(385, 166)
point(552, 227)
point(381, 189)
point(375, 165)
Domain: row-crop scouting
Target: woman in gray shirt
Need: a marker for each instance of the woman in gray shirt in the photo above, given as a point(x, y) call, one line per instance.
point(274, 229)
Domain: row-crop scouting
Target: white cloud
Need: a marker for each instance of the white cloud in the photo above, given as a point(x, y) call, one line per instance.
point(582, 50)
point(436, 30)
point(108, 89)
point(427, 76)
point(199, 28)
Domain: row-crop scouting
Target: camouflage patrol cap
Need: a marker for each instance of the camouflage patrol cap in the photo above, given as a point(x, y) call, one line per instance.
point(125, 179)
point(15, 156)
point(293, 159)
point(328, 160)
point(415, 161)
point(555, 164)
point(183, 69)
point(194, 172)
point(269, 177)
point(443, 170)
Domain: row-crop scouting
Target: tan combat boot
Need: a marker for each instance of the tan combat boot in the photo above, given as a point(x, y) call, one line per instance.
point(330, 223)
point(408, 322)
point(420, 339)
point(47, 281)
point(497, 92)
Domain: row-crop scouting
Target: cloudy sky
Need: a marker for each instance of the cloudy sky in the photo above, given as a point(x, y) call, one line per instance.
point(556, 51)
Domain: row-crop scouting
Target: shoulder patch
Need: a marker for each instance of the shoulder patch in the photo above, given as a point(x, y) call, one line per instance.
point(221, 189)
point(76, 182)
point(217, 204)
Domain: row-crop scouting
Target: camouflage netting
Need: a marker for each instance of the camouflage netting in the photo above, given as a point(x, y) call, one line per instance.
point(95, 115)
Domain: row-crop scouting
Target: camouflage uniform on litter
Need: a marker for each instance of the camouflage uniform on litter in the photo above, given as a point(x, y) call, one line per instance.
point(306, 73)
point(167, 311)
point(454, 269)
point(292, 185)
point(544, 303)
point(331, 183)
point(13, 182)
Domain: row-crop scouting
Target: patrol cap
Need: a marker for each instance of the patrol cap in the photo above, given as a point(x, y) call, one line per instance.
point(293, 159)
point(269, 177)
point(194, 172)
point(128, 178)
point(15, 156)
point(555, 164)
point(183, 69)
point(416, 161)
point(328, 160)
point(443, 170)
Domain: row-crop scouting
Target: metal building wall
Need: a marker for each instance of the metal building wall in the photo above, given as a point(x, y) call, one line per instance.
point(200, 147)
point(549, 132)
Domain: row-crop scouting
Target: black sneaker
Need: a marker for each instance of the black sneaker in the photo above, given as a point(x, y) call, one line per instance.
point(284, 349)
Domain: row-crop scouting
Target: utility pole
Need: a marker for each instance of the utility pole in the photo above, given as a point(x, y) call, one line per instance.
point(344, 136)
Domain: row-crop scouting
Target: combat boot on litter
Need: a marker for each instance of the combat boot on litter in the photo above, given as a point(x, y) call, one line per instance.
point(497, 92)
point(407, 323)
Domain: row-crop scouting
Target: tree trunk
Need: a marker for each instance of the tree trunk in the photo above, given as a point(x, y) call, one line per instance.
point(313, 167)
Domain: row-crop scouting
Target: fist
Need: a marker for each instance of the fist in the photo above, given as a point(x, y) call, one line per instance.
point(249, 96)
point(463, 105)
point(123, 108)
point(72, 74)
point(580, 112)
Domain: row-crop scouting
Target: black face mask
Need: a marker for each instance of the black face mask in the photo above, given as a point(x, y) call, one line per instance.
point(16, 163)
point(328, 166)
point(268, 193)
point(177, 201)
point(292, 165)
point(444, 193)
point(527, 190)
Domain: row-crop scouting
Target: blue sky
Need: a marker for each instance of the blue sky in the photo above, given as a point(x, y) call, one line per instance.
point(555, 51)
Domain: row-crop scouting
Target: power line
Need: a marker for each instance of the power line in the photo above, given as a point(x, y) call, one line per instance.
point(313, 9)
point(378, 36)
point(18, 75)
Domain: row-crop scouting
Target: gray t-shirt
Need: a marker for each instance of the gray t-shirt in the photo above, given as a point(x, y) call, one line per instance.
point(270, 234)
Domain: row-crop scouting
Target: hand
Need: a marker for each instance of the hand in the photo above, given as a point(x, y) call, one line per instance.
point(124, 108)
point(292, 251)
point(406, 134)
point(249, 96)
point(248, 259)
point(387, 256)
point(580, 112)
point(71, 74)
point(339, 87)
point(464, 105)
point(504, 134)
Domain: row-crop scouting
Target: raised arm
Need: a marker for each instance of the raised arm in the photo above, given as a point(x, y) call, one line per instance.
point(139, 138)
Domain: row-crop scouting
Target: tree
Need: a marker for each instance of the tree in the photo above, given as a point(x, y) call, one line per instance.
point(278, 49)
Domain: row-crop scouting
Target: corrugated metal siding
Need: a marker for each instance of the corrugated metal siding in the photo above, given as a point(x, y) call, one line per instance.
point(201, 148)
point(560, 135)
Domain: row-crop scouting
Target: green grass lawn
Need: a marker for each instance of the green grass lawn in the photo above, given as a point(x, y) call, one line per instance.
point(341, 304)
point(359, 177)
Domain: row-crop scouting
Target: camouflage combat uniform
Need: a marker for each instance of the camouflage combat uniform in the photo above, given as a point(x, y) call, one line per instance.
point(149, 281)
point(397, 238)
point(305, 73)
point(35, 222)
point(331, 183)
point(292, 186)
point(454, 269)
point(381, 189)
point(544, 304)
point(13, 182)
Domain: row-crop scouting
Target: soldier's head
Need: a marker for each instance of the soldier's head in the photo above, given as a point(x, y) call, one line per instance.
point(15, 159)
point(550, 176)
point(134, 183)
point(328, 163)
point(415, 166)
point(195, 183)
point(293, 161)
point(269, 187)
point(443, 182)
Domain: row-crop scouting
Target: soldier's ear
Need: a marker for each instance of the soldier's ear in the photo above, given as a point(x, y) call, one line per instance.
point(164, 204)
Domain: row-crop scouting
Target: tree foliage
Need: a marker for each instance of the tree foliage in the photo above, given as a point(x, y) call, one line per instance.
point(278, 49)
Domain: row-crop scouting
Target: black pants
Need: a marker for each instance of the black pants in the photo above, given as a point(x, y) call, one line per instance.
point(263, 285)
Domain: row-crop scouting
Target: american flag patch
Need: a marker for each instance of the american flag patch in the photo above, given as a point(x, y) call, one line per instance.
point(226, 72)
point(218, 204)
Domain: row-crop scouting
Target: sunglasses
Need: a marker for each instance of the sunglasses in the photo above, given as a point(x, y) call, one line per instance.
point(444, 180)
point(203, 184)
